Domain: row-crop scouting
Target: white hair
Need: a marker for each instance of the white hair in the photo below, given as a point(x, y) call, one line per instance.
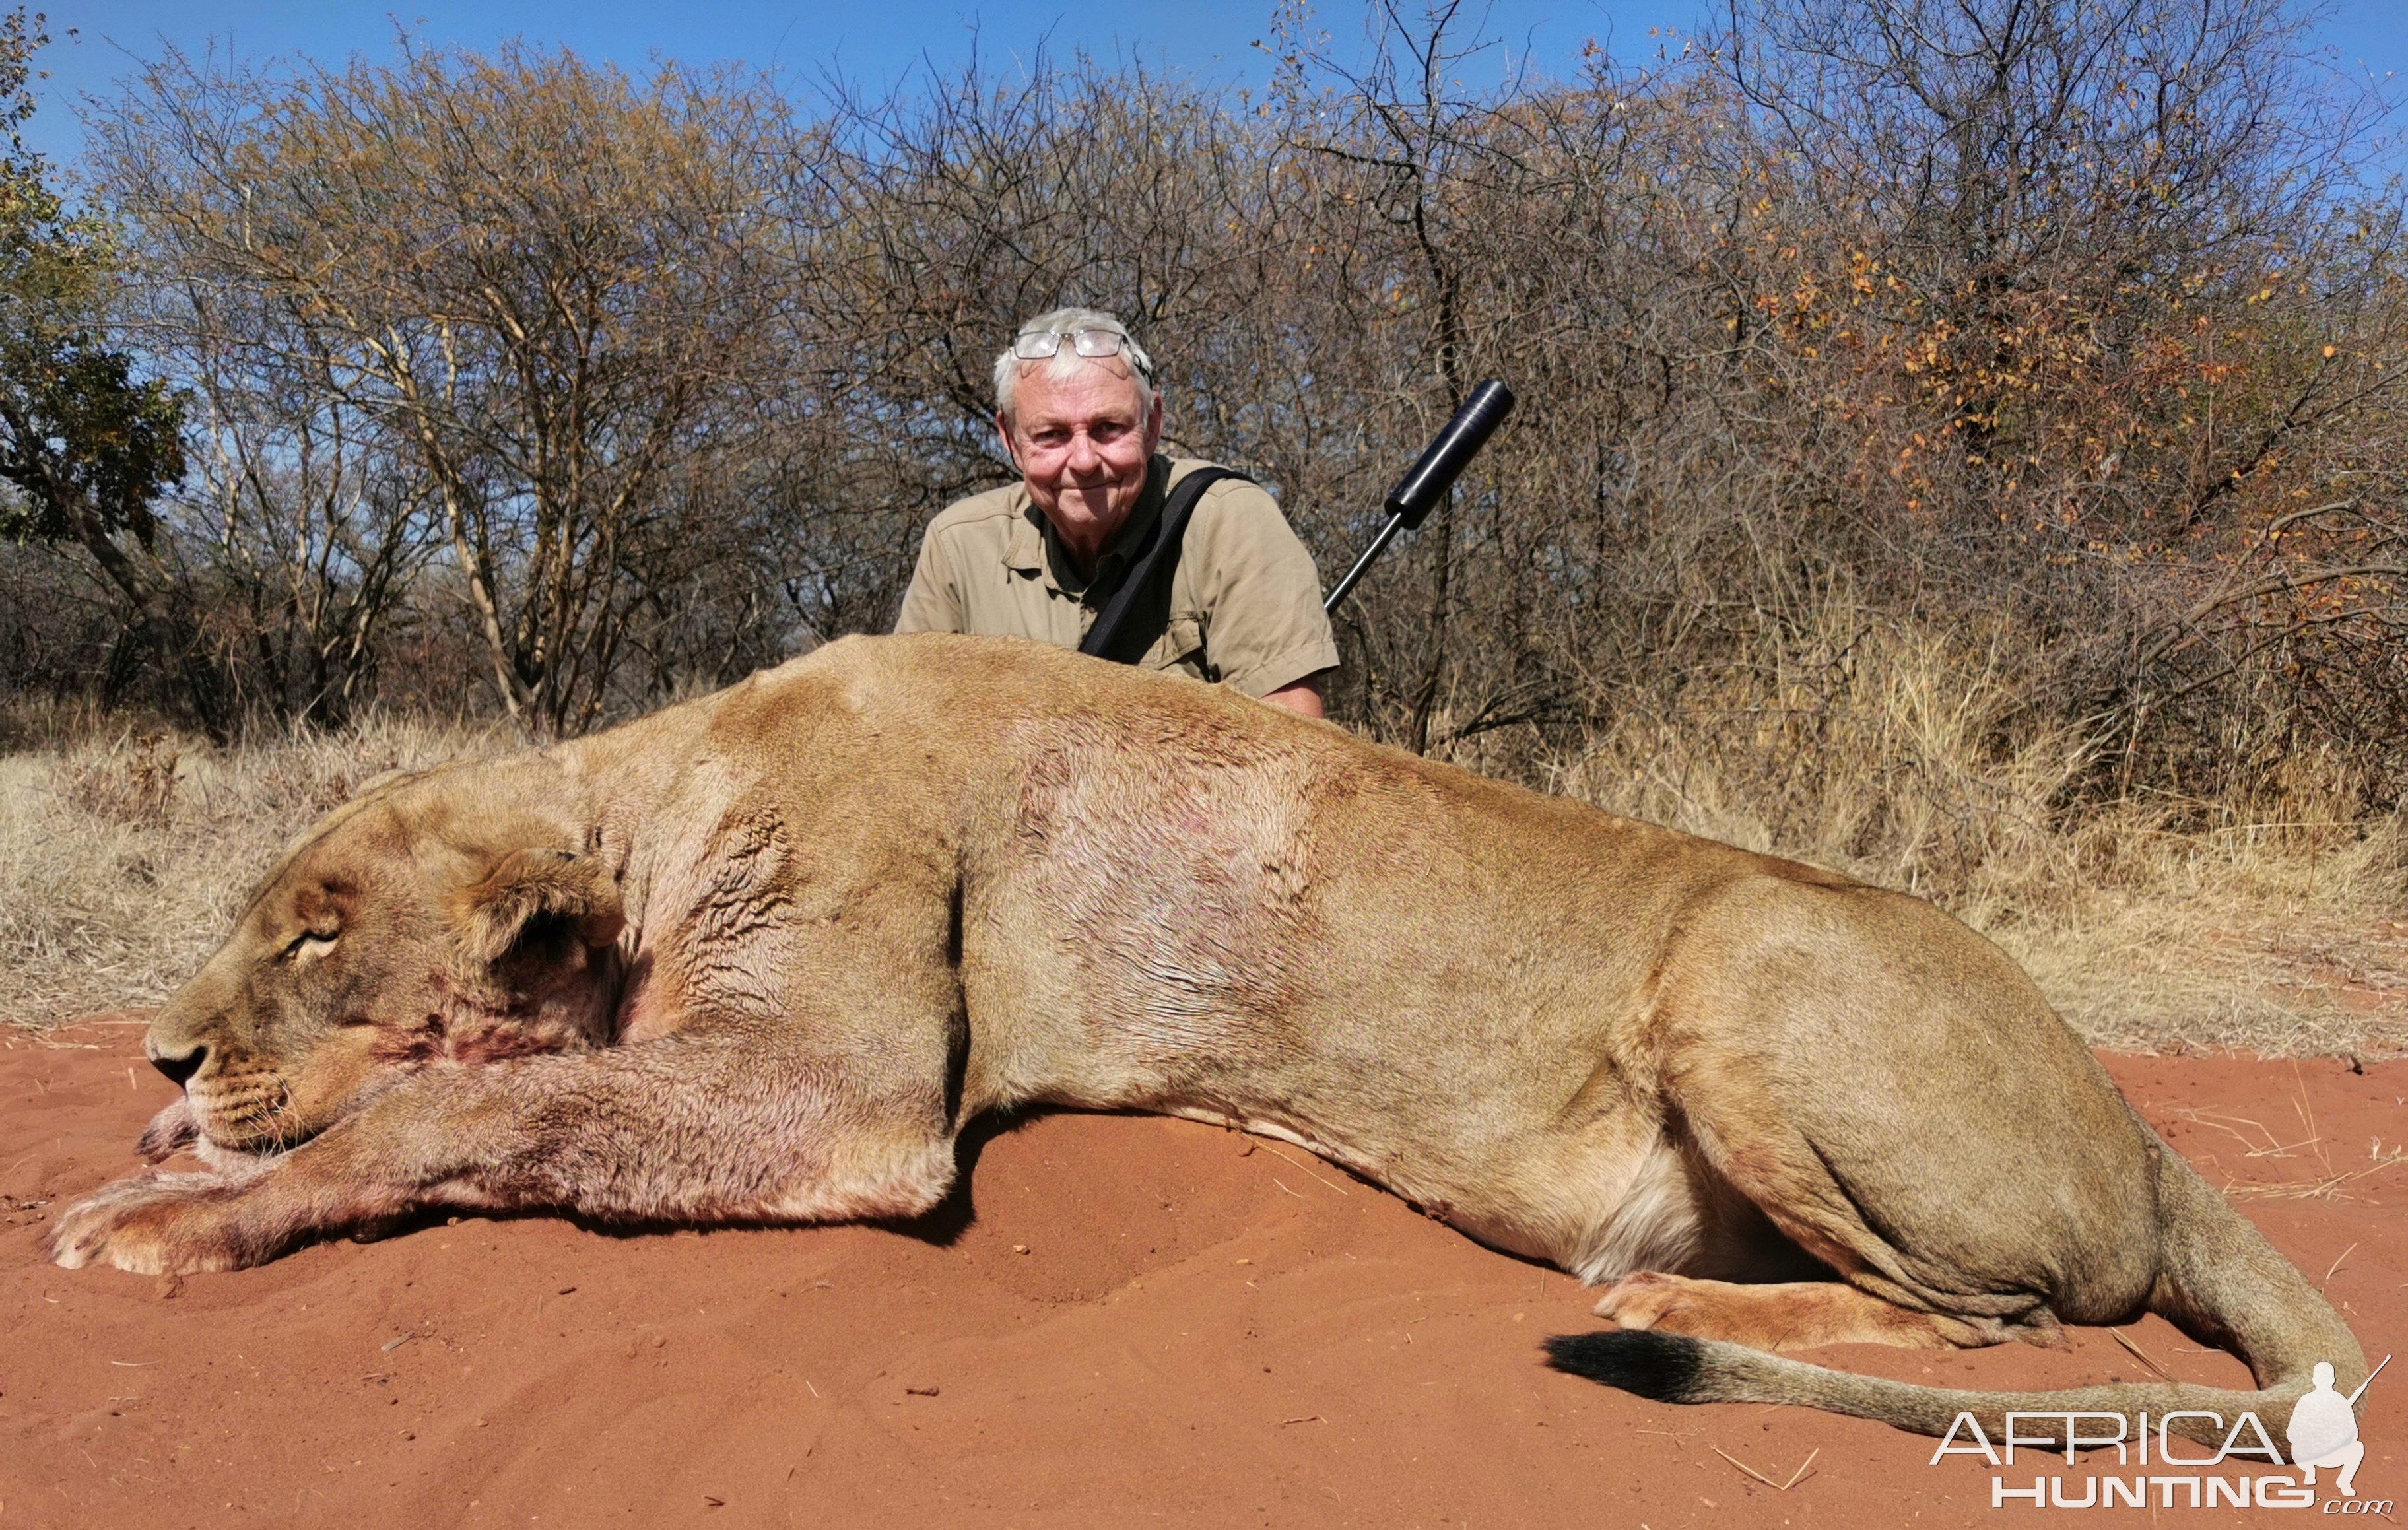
point(1007, 366)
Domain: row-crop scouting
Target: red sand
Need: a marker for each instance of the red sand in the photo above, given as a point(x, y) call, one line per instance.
point(1202, 1328)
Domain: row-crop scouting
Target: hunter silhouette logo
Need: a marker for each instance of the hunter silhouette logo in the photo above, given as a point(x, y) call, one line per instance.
point(2321, 1432)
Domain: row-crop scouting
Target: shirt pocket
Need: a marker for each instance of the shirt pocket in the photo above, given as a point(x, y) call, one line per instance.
point(1180, 646)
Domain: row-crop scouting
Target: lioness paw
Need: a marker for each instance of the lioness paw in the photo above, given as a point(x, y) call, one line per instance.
point(1642, 1300)
point(170, 1132)
point(152, 1224)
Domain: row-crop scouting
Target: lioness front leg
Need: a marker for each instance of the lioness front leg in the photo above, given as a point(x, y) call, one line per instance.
point(684, 1129)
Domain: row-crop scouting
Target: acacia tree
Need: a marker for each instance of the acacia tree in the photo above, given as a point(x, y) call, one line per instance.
point(533, 283)
point(86, 444)
point(299, 521)
point(2103, 296)
point(315, 530)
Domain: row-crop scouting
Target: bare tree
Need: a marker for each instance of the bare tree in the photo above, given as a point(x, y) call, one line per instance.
point(538, 282)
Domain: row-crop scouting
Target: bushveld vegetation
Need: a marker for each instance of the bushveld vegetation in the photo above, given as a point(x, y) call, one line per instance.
point(1960, 440)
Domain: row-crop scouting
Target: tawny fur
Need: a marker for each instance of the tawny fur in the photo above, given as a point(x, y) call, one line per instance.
point(759, 957)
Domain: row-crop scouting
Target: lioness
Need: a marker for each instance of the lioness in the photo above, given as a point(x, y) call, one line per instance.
point(759, 957)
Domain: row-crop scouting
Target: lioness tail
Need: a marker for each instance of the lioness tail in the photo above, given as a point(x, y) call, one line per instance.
point(2219, 1279)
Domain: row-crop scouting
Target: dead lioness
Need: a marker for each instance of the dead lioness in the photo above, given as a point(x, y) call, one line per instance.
point(759, 958)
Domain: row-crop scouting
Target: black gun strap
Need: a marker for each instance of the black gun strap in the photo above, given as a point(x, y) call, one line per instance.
point(1151, 566)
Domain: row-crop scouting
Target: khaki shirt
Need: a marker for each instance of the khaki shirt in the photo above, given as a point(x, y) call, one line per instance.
point(1245, 600)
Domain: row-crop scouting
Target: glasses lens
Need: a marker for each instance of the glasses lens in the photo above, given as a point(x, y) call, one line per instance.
point(1095, 342)
point(1037, 346)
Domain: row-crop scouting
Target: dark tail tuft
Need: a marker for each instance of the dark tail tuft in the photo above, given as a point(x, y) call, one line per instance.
point(1663, 1366)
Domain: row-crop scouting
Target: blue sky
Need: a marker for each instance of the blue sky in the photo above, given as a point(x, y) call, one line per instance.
point(876, 45)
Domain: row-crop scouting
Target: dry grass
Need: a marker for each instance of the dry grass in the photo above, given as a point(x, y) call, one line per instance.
point(1905, 758)
point(125, 855)
point(1909, 759)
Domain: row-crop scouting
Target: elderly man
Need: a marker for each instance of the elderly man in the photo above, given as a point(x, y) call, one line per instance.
point(1077, 410)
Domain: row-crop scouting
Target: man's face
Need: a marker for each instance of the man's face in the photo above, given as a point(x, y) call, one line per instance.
point(1083, 443)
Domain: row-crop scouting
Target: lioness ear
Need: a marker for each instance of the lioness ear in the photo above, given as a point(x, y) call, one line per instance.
point(527, 886)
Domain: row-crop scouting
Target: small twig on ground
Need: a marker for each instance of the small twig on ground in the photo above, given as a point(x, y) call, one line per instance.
point(1331, 1183)
point(2308, 1114)
point(2284, 1151)
point(2336, 1266)
point(2202, 1118)
point(37, 1038)
point(1795, 1477)
point(2139, 1354)
point(2307, 1189)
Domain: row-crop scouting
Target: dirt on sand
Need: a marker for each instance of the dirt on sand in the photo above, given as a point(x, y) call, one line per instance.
point(1125, 1321)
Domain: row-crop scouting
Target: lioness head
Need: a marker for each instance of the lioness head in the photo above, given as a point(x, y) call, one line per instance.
point(395, 936)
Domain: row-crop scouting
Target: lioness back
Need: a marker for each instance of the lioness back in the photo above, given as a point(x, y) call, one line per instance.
point(1186, 900)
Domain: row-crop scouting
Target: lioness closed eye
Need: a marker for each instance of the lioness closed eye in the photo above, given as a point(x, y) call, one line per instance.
point(759, 957)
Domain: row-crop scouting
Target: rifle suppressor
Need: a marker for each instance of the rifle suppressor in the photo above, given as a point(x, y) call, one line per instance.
point(1432, 475)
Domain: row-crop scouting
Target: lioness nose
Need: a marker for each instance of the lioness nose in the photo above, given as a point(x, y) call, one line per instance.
point(178, 1070)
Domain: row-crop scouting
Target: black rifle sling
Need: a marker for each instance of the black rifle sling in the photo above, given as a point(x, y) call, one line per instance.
point(1151, 566)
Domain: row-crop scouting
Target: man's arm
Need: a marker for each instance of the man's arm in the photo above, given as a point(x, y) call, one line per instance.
point(932, 602)
point(1265, 633)
point(1303, 698)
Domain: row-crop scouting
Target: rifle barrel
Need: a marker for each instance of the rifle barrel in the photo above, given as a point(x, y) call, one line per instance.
point(1362, 564)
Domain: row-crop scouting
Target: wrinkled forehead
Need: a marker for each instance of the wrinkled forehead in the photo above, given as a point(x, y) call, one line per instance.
point(351, 852)
point(1094, 389)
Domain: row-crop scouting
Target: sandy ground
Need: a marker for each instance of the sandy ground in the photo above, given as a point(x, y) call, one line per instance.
point(1126, 1320)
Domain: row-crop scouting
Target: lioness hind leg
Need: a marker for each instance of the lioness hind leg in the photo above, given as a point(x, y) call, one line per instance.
point(1793, 1315)
point(1902, 1104)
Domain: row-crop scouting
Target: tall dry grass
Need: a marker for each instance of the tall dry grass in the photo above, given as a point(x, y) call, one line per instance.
point(125, 853)
point(1907, 757)
point(1912, 758)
